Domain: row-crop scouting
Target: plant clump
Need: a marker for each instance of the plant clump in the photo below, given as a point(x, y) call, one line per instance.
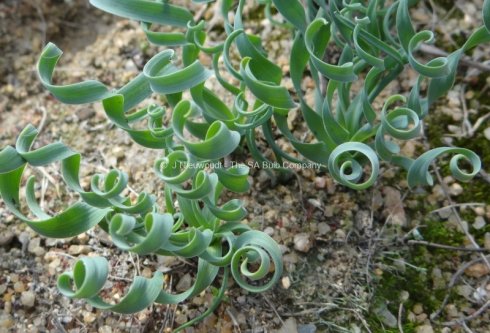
point(196, 131)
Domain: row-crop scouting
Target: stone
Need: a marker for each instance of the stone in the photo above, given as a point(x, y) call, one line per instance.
point(404, 296)
point(270, 215)
point(34, 247)
point(464, 290)
point(477, 270)
point(320, 182)
point(198, 300)
point(452, 311)
point(54, 266)
point(418, 309)
point(328, 211)
point(85, 113)
point(363, 220)
point(184, 283)
point(129, 65)
point(315, 203)
point(340, 235)
point(105, 329)
point(486, 133)
point(394, 206)
point(290, 258)
point(83, 237)
point(181, 319)
point(146, 272)
point(438, 281)
point(302, 242)
point(289, 326)
point(308, 328)
point(479, 223)
point(24, 239)
point(6, 237)
point(486, 241)
point(455, 189)
point(424, 329)
point(19, 287)
point(241, 318)
point(6, 322)
point(480, 211)
point(89, 317)
point(480, 294)
point(411, 316)
point(74, 249)
point(28, 298)
point(323, 228)
point(421, 318)
point(386, 317)
point(408, 148)
point(286, 282)
point(445, 213)
point(269, 231)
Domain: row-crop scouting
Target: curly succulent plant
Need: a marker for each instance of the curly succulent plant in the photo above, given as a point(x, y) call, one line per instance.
point(377, 41)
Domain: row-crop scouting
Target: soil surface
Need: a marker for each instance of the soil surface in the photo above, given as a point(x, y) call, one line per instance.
point(354, 261)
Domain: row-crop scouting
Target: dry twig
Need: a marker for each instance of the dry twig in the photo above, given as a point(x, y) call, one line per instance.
point(446, 247)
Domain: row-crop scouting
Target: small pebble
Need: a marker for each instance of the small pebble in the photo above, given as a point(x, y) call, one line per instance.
point(85, 113)
point(146, 272)
point(452, 311)
point(19, 287)
point(105, 329)
point(35, 247)
point(241, 318)
point(28, 298)
point(340, 235)
point(181, 319)
point(487, 240)
point(328, 211)
point(6, 237)
point(386, 317)
point(74, 249)
point(6, 322)
point(308, 328)
point(320, 182)
point(198, 300)
point(480, 211)
point(445, 213)
point(286, 282)
point(404, 296)
point(424, 329)
point(89, 317)
point(477, 270)
point(302, 242)
point(464, 290)
point(83, 237)
point(479, 223)
point(269, 231)
point(418, 309)
point(455, 189)
point(184, 283)
point(421, 317)
point(323, 228)
point(486, 133)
